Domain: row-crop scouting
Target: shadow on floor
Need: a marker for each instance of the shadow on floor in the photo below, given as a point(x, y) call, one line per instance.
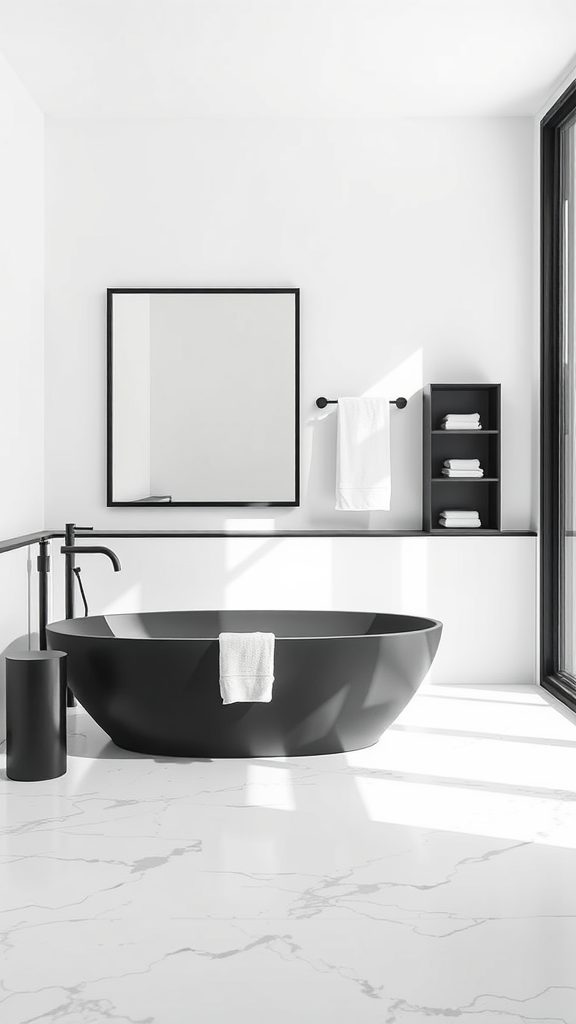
point(87, 739)
point(114, 753)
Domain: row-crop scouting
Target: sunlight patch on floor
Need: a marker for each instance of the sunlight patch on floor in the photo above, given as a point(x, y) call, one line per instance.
point(268, 787)
point(479, 762)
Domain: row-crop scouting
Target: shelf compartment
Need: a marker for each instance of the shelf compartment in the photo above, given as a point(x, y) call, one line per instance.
point(460, 495)
point(467, 398)
point(472, 445)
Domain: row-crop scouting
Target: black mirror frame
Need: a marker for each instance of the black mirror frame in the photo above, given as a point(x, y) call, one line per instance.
point(110, 292)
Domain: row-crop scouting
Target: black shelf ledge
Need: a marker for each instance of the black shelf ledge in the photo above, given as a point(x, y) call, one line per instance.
point(293, 533)
point(27, 539)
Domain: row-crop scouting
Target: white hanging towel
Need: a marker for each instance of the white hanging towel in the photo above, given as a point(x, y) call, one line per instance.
point(246, 667)
point(363, 455)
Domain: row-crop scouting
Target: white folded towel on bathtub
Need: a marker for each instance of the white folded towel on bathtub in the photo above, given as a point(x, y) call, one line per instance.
point(246, 667)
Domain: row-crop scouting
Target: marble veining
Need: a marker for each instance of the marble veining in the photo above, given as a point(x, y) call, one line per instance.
point(427, 878)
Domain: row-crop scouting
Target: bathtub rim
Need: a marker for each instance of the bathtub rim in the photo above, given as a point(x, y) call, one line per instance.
point(65, 626)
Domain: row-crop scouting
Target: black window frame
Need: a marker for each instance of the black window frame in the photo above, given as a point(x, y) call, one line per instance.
point(560, 115)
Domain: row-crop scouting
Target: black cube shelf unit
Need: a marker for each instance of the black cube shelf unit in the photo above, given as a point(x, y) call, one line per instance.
point(481, 494)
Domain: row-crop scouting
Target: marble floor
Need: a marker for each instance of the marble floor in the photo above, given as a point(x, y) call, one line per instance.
point(431, 877)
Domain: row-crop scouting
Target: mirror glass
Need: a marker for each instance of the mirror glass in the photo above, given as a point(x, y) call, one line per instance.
point(203, 396)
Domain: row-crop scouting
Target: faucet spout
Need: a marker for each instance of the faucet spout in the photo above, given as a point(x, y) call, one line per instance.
point(77, 549)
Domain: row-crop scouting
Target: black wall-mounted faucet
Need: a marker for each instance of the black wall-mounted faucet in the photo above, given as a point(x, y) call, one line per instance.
point(76, 549)
point(71, 549)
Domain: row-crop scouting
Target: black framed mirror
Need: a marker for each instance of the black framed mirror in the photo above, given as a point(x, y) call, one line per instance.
point(203, 396)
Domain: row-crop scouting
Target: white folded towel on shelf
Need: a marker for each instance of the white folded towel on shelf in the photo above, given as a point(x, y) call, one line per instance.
point(460, 513)
point(460, 524)
point(467, 417)
point(468, 473)
point(460, 425)
point(462, 463)
point(363, 455)
point(246, 667)
point(460, 518)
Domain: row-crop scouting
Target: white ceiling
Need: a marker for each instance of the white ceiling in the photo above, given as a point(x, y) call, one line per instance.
point(289, 57)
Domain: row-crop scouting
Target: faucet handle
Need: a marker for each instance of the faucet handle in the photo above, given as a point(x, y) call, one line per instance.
point(83, 527)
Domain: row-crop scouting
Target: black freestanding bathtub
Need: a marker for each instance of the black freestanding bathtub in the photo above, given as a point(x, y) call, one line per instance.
point(151, 680)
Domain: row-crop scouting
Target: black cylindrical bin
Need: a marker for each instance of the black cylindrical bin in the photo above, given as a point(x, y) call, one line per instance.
point(35, 715)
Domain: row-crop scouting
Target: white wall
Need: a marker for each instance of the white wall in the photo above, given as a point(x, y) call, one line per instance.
point(21, 308)
point(410, 239)
point(21, 352)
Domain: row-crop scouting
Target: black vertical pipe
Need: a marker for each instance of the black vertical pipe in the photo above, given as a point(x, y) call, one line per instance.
point(69, 593)
point(69, 573)
point(43, 564)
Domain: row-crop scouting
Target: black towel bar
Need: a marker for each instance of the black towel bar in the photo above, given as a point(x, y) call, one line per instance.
point(400, 403)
